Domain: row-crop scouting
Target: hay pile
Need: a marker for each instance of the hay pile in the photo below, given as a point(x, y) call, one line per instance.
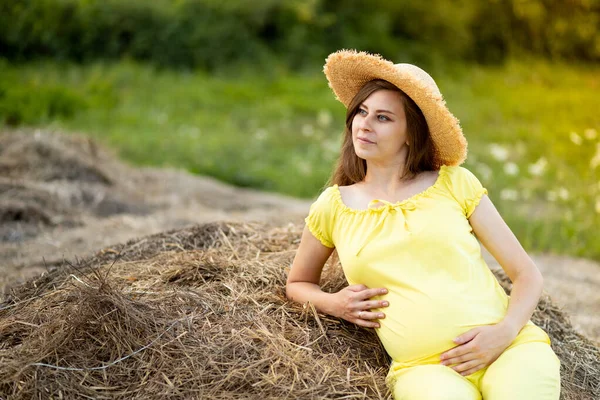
point(50, 180)
point(201, 313)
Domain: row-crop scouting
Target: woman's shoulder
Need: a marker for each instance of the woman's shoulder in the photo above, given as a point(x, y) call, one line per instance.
point(321, 216)
point(457, 174)
point(328, 194)
point(350, 196)
point(338, 199)
point(464, 186)
point(326, 200)
point(455, 170)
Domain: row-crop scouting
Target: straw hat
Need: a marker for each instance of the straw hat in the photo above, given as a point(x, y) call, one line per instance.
point(348, 70)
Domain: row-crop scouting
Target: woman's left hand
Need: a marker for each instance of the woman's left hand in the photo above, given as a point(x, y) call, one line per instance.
point(478, 348)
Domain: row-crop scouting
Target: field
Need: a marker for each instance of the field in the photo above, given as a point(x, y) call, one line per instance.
point(533, 129)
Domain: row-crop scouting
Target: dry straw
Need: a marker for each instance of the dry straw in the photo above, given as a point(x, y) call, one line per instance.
point(52, 180)
point(201, 313)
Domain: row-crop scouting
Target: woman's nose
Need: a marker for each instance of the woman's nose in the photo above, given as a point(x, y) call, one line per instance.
point(364, 123)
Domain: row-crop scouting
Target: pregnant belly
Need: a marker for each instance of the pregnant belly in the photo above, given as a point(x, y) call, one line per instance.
point(419, 325)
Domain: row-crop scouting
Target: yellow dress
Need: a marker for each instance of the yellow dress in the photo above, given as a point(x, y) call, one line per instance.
point(424, 252)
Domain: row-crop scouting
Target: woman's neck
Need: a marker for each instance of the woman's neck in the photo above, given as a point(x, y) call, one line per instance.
point(386, 179)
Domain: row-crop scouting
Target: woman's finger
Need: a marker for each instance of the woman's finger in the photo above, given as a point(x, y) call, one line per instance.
point(459, 358)
point(453, 354)
point(371, 304)
point(369, 315)
point(368, 293)
point(466, 366)
point(366, 323)
point(472, 370)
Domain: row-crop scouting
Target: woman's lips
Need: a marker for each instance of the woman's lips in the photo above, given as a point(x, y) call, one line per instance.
point(365, 141)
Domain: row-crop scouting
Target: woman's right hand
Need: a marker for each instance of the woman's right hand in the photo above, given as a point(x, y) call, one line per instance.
point(354, 304)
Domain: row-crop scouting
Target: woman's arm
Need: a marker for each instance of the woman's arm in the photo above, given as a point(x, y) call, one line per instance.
point(498, 239)
point(481, 346)
point(303, 280)
point(351, 303)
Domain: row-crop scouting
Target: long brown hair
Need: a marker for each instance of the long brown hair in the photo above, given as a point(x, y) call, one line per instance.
point(351, 169)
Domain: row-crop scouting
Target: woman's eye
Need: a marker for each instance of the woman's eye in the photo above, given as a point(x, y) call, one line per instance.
point(382, 118)
point(362, 111)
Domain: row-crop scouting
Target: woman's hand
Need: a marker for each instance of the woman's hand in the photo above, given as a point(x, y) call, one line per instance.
point(353, 304)
point(478, 348)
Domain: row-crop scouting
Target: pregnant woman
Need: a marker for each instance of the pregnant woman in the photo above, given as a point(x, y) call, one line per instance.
point(406, 221)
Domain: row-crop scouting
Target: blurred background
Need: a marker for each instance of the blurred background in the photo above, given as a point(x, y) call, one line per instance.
point(235, 90)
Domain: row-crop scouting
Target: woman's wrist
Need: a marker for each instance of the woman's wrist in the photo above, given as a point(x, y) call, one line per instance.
point(303, 292)
point(326, 303)
point(511, 326)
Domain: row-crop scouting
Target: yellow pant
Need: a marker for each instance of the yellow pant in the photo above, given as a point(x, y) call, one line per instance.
point(527, 371)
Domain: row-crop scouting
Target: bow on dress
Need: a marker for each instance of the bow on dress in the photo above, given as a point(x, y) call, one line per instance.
point(387, 208)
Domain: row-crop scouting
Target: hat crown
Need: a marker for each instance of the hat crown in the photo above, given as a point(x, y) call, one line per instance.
point(420, 75)
point(349, 70)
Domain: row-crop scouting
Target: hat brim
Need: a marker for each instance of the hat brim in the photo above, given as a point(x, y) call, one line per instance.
point(347, 71)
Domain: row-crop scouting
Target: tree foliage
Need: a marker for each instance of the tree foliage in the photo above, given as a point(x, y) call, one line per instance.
point(209, 33)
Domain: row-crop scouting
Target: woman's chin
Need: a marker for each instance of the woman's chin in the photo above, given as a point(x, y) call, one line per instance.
point(364, 154)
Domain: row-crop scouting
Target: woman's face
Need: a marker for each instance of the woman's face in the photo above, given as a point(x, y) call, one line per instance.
point(379, 128)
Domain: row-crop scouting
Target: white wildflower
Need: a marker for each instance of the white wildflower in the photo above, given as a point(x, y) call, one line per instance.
point(568, 215)
point(498, 152)
point(324, 118)
point(590, 134)
point(510, 168)
point(509, 194)
point(575, 138)
point(538, 167)
point(595, 161)
point(330, 146)
point(304, 167)
point(563, 193)
point(308, 130)
point(551, 195)
point(261, 134)
point(484, 171)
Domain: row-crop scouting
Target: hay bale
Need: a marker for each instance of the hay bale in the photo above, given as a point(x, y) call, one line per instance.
point(49, 180)
point(201, 313)
point(44, 156)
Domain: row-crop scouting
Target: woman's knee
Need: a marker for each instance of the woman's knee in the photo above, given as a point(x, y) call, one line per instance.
point(432, 382)
point(526, 371)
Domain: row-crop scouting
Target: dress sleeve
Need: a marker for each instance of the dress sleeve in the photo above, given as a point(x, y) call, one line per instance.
point(467, 189)
point(320, 217)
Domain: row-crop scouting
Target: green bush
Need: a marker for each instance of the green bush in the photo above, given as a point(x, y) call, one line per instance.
point(176, 34)
point(34, 104)
point(210, 33)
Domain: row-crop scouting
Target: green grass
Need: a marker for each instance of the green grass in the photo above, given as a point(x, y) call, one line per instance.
point(280, 132)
